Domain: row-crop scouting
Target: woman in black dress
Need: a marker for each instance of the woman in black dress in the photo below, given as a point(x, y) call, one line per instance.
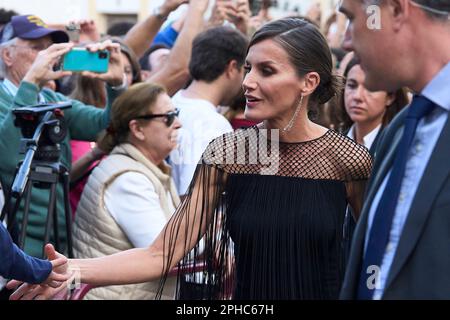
point(268, 201)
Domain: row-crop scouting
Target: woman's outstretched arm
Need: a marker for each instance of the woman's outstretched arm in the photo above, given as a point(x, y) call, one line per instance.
point(178, 237)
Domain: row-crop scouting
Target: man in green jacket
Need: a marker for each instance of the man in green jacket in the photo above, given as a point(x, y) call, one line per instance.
point(28, 52)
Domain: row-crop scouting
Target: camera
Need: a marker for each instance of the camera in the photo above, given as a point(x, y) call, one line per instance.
point(44, 126)
point(103, 55)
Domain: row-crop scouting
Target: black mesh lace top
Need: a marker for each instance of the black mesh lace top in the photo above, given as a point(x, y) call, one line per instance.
point(271, 215)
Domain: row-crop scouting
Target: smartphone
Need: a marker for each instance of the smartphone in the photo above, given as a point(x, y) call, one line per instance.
point(80, 59)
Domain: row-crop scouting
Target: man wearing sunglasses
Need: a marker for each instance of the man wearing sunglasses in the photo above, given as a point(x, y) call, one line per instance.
point(401, 243)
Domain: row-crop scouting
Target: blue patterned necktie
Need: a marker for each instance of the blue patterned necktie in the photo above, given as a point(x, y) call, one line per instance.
point(382, 221)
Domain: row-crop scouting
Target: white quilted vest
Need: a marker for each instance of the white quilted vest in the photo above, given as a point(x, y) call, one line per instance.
point(96, 233)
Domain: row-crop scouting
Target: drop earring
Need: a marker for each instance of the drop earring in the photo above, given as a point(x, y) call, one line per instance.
point(294, 117)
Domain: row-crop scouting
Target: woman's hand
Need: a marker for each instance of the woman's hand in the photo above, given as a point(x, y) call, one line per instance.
point(243, 14)
point(115, 76)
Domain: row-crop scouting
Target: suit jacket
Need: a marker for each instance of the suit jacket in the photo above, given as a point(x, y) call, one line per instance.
point(349, 221)
point(15, 264)
point(421, 266)
point(375, 142)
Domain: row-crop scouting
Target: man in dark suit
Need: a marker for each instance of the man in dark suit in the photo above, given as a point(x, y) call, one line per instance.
point(401, 246)
point(15, 264)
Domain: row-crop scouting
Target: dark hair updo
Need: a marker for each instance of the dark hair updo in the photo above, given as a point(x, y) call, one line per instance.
point(308, 51)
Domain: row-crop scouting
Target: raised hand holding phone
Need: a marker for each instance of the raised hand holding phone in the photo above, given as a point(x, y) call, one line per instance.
point(114, 76)
point(42, 69)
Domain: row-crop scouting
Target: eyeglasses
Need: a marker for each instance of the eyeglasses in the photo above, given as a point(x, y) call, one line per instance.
point(170, 117)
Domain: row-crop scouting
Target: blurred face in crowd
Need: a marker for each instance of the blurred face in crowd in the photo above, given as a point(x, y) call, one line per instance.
point(272, 86)
point(158, 58)
point(127, 68)
point(20, 55)
point(235, 76)
point(154, 135)
point(375, 47)
point(362, 105)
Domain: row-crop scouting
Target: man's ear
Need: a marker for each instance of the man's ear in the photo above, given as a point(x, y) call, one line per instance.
point(136, 130)
point(399, 11)
point(7, 56)
point(231, 68)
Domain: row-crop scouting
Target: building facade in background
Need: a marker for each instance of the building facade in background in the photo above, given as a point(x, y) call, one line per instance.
point(107, 12)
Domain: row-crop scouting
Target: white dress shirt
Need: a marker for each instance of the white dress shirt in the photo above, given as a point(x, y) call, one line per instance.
point(368, 139)
point(427, 134)
point(201, 124)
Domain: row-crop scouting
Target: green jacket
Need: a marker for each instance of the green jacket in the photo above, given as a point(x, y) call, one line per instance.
point(84, 123)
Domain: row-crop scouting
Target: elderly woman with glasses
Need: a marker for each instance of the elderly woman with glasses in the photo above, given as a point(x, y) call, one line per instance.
point(130, 196)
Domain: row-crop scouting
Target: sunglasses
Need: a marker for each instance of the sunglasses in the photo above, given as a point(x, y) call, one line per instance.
point(170, 117)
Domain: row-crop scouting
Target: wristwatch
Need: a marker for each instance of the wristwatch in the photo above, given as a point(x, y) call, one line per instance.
point(157, 12)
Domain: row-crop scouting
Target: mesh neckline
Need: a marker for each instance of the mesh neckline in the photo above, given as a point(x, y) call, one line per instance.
point(300, 142)
point(328, 157)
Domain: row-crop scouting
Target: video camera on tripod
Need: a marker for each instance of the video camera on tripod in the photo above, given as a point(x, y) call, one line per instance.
point(43, 128)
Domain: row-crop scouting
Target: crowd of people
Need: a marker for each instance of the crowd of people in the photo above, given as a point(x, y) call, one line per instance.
point(238, 157)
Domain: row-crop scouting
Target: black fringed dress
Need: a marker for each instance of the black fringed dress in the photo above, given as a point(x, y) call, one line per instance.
point(271, 215)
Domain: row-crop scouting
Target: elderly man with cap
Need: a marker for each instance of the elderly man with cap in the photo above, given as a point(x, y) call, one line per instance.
point(28, 52)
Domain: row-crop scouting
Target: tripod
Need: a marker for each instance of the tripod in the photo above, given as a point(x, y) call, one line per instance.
point(44, 175)
point(44, 172)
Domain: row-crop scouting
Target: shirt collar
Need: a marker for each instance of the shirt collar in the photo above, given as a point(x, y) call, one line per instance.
point(438, 89)
point(12, 90)
point(368, 139)
point(10, 87)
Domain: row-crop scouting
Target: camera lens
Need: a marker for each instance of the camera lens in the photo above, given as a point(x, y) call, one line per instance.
point(102, 55)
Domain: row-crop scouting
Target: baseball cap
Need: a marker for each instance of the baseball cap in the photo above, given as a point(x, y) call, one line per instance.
point(30, 27)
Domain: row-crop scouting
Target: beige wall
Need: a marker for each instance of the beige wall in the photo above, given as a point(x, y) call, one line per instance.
point(51, 11)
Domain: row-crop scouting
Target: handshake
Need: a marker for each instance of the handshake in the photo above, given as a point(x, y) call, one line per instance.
point(58, 284)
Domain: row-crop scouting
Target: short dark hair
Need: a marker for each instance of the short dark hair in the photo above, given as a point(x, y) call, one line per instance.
point(308, 51)
point(212, 51)
point(119, 29)
point(144, 61)
point(6, 15)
